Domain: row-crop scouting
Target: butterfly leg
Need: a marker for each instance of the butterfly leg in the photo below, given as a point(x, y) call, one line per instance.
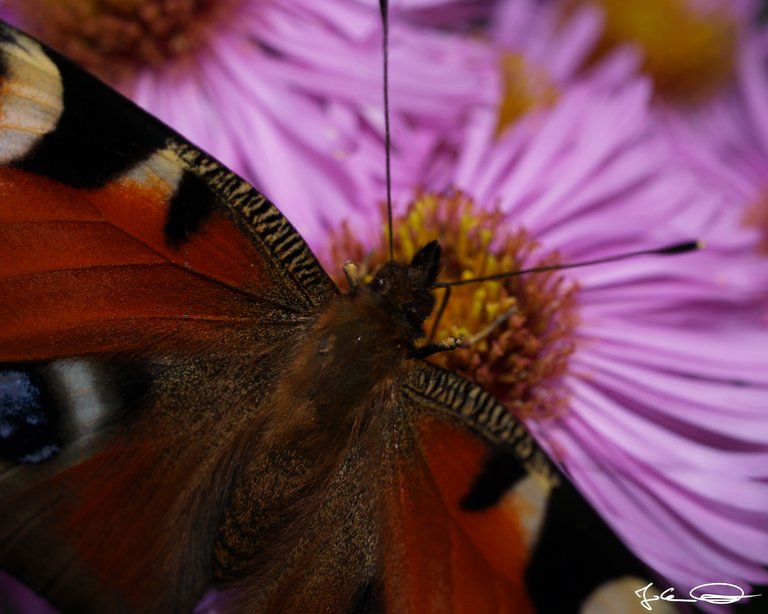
point(492, 326)
point(444, 345)
point(439, 316)
point(352, 274)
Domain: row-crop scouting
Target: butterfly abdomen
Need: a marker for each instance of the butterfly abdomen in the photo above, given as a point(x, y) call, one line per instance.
point(297, 520)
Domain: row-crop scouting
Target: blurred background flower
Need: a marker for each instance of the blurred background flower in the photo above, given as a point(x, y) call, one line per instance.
point(687, 47)
point(724, 142)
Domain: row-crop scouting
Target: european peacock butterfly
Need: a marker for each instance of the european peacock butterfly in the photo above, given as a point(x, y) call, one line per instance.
point(194, 404)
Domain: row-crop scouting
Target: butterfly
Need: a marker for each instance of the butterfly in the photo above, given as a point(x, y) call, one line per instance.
point(188, 401)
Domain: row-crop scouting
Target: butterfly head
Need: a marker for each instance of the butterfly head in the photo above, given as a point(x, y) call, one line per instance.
point(405, 290)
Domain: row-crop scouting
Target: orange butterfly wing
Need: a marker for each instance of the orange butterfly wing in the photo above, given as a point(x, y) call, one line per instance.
point(440, 557)
point(80, 276)
point(110, 238)
point(141, 285)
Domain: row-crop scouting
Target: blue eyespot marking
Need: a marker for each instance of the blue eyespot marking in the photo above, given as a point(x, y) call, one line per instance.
point(28, 429)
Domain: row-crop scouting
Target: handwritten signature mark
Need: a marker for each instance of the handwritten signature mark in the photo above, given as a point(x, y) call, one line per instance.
point(702, 592)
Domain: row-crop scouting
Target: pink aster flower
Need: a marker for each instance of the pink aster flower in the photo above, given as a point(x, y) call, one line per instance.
point(285, 92)
point(529, 58)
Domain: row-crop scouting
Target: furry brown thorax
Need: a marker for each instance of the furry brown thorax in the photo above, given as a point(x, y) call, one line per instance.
point(360, 342)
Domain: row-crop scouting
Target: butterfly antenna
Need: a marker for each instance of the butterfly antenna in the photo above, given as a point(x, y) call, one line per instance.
point(384, 5)
point(676, 248)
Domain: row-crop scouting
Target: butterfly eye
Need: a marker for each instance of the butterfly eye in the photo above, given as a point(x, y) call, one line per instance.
point(380, 283)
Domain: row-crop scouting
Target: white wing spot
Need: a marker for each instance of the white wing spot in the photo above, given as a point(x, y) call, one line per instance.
point(30, 98)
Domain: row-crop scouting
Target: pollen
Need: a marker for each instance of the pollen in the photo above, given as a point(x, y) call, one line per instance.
point(525, 88)
point(688, 47)
point(115, 38)
point(520, 330)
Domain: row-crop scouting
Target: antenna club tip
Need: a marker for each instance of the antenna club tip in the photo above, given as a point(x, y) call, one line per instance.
point(701, 244)
point(681, 248)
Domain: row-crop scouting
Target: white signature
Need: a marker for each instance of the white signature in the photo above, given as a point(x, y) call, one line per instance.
point(697, 593)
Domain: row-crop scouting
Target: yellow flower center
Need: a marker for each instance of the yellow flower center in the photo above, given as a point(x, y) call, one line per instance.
point(689, 50)
point(114, 38)
point(526, 87)
point(520, 328)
